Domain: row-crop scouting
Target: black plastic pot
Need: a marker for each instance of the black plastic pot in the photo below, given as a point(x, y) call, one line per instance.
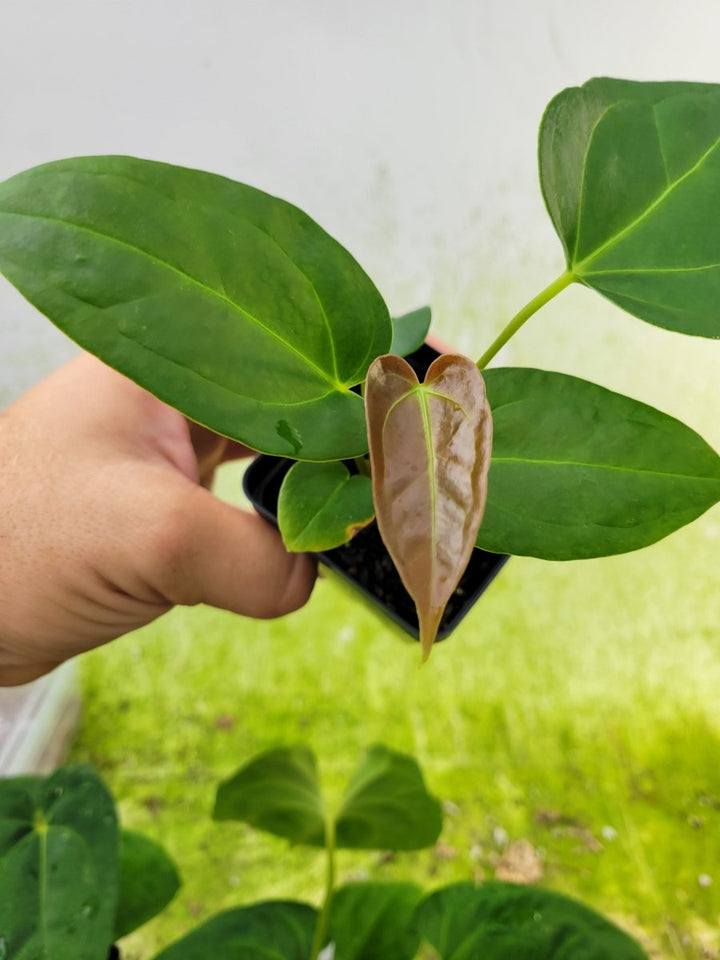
point(365, 562)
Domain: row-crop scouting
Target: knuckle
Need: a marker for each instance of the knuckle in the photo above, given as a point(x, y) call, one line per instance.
point(168, 552)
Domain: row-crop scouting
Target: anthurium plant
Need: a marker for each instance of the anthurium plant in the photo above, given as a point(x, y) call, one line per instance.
point(72, 881)
point(239, 310)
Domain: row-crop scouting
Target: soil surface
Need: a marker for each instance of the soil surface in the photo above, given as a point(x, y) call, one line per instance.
point(367, 563)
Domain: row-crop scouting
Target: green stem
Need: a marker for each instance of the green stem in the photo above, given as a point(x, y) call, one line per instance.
point(527, 311)
point(321, 927)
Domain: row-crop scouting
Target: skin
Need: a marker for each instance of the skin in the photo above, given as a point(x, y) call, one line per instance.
point(107, 521)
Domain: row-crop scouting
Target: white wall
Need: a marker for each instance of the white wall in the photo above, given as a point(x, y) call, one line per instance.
point(406, 127)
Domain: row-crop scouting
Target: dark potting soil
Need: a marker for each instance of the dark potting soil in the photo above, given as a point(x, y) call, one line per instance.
point(366, 560)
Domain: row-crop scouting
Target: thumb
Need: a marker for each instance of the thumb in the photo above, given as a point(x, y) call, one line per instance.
point(229, 558)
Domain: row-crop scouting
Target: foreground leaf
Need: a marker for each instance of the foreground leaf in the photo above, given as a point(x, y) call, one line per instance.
point(498, 921)
point(430, 452)
point(369, 921)
point(631, 177)
point(148, 881)
point(275, 930)
point(409, 331)
point(229, 304)
point(387, 806)
point(58, 866)
point(579, 471)
point(277, 791)
point(322, 506)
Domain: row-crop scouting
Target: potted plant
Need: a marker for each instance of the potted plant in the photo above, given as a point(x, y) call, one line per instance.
point(239, 310)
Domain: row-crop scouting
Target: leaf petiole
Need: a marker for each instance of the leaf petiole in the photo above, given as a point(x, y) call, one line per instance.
point(323, 920)
point(552, 290)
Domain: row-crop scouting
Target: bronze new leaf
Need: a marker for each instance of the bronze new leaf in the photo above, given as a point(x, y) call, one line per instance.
point(430, 447)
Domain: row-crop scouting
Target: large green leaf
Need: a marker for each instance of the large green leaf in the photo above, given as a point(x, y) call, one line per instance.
point(499, 921)
point(227, 303)
point(148, 880)
point(631, 177)
point(322, 506)
point(275, 930)
point(58, 866)
point(430, 448)
point(387, 806)
point(369, 921)
point(277, 791)
point(580, 471)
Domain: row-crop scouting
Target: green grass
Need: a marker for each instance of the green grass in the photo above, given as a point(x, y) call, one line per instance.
point(576, 707)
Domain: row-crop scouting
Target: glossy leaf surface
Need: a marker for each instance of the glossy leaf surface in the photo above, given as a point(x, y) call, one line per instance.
point(148, 881)
point(498, 921)
point(277, 791)
point(631, 178)
point(274, 930)
point(58, 866)
point(229, 304)
point(579, 471)
point(409, 331)
point(430, 451)
point(322, 506)
point(373, 920)
point(387, 806)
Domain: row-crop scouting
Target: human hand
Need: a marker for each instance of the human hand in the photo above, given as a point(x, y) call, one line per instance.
point(106, 522)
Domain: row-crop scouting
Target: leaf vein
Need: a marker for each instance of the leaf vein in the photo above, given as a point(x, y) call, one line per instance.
point(612, 241)
point(607, 466)
point(336, 384)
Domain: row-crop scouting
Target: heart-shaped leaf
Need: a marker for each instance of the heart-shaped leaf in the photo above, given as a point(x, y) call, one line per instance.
point(498, 921)
point(579, 471)
point(375, 920)
point(277, 791)
point(409, 331)
point(631, 177)
point(275, 930)
point(148, 881)
point(58, 866)
point(430, 452)
point(322, 506)
point(229, 304)
point(387, 806)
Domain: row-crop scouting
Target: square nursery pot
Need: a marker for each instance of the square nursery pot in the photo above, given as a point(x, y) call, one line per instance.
point(364, 562)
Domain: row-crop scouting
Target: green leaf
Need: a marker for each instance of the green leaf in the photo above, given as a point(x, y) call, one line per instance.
point(229, 304)
point(322, 506)
point(498, 921)
point(409, 331)
point(580, 471)
point(148, 882)
point(58, 866)
point(278, 792)
point(429, 452)
point(369, 921)
point(274, 930)
point(387, 806)
point(631, 177)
